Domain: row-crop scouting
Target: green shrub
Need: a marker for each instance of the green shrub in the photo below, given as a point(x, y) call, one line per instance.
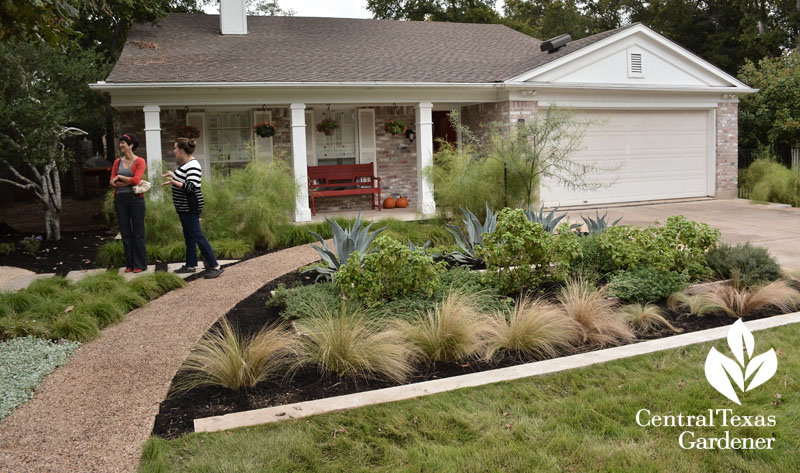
point(12, 327)
point(127, 297)
point(646, 284)
point(391, 271)
point(165, 280)
point(48, 287)
point(19, 301)
point(680, 245)
point(7, 248)
point(101, 282)
point(102, 308)
point(250, 203)
point(31, 244)
point(74, 325)
point(146, 286)
point(769, 181)
point(305, 301)
point(590, 264)
point(112, 255)
point(521, 254)
point(232, 248)
point(754, 263)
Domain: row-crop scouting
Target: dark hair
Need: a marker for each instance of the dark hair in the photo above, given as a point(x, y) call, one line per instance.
point(130, 138)
point(186, 144)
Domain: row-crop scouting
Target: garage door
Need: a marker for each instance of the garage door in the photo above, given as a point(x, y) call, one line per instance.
point(641, 155)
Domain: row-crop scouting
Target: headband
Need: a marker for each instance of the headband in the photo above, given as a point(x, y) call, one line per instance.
point(128, 137)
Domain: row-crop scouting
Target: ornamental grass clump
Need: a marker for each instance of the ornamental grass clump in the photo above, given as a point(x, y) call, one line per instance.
point(346, 342)
point(223, 357)
point(698, 304)
point(454, 330)
point(594, 311)
point(739, 301)
point(533, 327)
point(647, 317)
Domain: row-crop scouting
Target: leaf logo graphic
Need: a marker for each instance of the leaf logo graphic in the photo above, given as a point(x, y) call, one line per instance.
point(721, 370)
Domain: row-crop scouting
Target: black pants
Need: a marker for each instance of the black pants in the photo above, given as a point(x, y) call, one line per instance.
point(130, 216)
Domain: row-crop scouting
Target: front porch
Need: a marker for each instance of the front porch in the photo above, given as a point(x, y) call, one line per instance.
point(404, 215)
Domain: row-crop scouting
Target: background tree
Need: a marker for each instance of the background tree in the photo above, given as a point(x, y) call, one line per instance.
point(772, 115)
point(37, 105)
point(456, 11)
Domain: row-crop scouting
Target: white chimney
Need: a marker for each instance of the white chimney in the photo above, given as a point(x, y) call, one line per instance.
point(232, 17)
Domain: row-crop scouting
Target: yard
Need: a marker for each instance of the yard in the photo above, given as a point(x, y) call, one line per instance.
point(580, 420)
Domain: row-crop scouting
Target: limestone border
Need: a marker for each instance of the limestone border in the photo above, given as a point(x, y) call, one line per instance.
point(398, 393)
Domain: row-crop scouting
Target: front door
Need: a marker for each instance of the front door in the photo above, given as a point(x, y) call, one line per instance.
point(442, 129)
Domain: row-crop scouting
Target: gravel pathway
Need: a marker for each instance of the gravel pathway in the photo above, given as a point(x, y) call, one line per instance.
point(94, 414)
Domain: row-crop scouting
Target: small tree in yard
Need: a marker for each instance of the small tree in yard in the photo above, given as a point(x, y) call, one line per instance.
point(513, 157)
point(771, 115)
point(38, 104)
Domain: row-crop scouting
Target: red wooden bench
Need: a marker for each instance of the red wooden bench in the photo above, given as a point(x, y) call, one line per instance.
point(343, 179)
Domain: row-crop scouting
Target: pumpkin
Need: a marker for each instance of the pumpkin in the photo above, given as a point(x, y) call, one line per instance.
point(389, 203)
point(401, 203)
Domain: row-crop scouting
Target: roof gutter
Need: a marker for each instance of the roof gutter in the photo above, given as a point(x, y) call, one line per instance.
point(109, 86)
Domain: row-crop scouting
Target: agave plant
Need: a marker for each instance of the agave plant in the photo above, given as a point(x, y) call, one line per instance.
point(475, 230)
point(414, 247)
point(550, 221)
point(598, 224)
point(346, 242)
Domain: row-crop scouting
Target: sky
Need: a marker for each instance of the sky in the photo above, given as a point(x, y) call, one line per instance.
point(328, 8)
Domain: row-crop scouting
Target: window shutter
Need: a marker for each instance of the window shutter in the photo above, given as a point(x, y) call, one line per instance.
point(311, 156)
point(197, 119)
point(366, 137)
point(263, 146)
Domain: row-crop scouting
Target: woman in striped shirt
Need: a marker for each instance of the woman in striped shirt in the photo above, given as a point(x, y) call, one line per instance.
point(188, 200)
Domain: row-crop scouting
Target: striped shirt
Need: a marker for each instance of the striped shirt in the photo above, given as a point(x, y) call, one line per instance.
point(188, 199)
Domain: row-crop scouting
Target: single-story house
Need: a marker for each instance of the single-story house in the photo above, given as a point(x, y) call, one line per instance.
point(666, 128)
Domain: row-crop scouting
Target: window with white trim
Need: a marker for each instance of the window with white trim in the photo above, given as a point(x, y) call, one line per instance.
point(340, 146)
point(229, 134)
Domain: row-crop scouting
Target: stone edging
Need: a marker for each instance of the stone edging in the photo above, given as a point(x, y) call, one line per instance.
point(397, 393)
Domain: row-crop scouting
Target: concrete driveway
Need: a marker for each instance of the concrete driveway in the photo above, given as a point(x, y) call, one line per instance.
point(777, 229)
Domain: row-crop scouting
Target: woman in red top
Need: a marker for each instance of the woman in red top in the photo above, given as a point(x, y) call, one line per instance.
point(126, 173)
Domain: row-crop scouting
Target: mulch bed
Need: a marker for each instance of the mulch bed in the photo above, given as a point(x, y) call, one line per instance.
point(177, 412)
point(76, 250)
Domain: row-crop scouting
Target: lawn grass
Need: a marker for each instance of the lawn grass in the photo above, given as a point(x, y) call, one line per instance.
point(580, 420)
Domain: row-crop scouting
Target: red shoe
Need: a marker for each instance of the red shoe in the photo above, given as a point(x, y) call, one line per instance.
point(128, 270)
point(137, 270)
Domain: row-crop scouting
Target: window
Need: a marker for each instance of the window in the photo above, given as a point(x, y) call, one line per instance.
point(339, 147)
point(229, 134)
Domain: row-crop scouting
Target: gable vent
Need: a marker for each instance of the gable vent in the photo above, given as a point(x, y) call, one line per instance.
point(635, 63)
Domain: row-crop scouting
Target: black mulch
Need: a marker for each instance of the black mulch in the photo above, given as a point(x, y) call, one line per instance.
point(75, 250)
point(176, 413)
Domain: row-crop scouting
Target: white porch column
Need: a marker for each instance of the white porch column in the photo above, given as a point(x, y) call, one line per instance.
point(302, 212)
point(152, 135)
point(424, 119)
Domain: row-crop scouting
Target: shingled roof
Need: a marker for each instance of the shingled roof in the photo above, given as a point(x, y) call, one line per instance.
point(187, 47)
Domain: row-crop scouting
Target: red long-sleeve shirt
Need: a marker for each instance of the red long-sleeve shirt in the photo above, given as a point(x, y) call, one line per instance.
point(137, 169)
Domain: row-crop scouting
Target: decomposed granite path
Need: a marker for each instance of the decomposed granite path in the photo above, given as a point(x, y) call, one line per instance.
point(94, 413)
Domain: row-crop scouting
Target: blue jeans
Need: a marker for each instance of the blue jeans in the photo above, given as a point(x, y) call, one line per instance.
point(193, 236)
point(130, 216)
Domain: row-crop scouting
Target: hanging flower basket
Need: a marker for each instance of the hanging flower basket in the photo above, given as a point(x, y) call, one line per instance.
point(188, 131)
point(327, 126)
point(395, 127)
point(265, 129)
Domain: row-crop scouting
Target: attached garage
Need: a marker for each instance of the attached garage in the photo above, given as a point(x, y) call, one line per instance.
point(642, 155)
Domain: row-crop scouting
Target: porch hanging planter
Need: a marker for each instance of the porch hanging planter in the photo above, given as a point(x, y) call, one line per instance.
point(395, 127)
point(265, 129)
point(188, 131)
point(327, 126)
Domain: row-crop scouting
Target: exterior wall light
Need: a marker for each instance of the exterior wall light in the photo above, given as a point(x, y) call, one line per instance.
point(411, 135)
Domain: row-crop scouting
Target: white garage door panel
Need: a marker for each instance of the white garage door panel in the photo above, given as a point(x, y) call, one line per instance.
point(642, 155)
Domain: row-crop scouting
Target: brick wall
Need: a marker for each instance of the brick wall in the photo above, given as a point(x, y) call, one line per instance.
point(475, 116)
point(727, 150)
